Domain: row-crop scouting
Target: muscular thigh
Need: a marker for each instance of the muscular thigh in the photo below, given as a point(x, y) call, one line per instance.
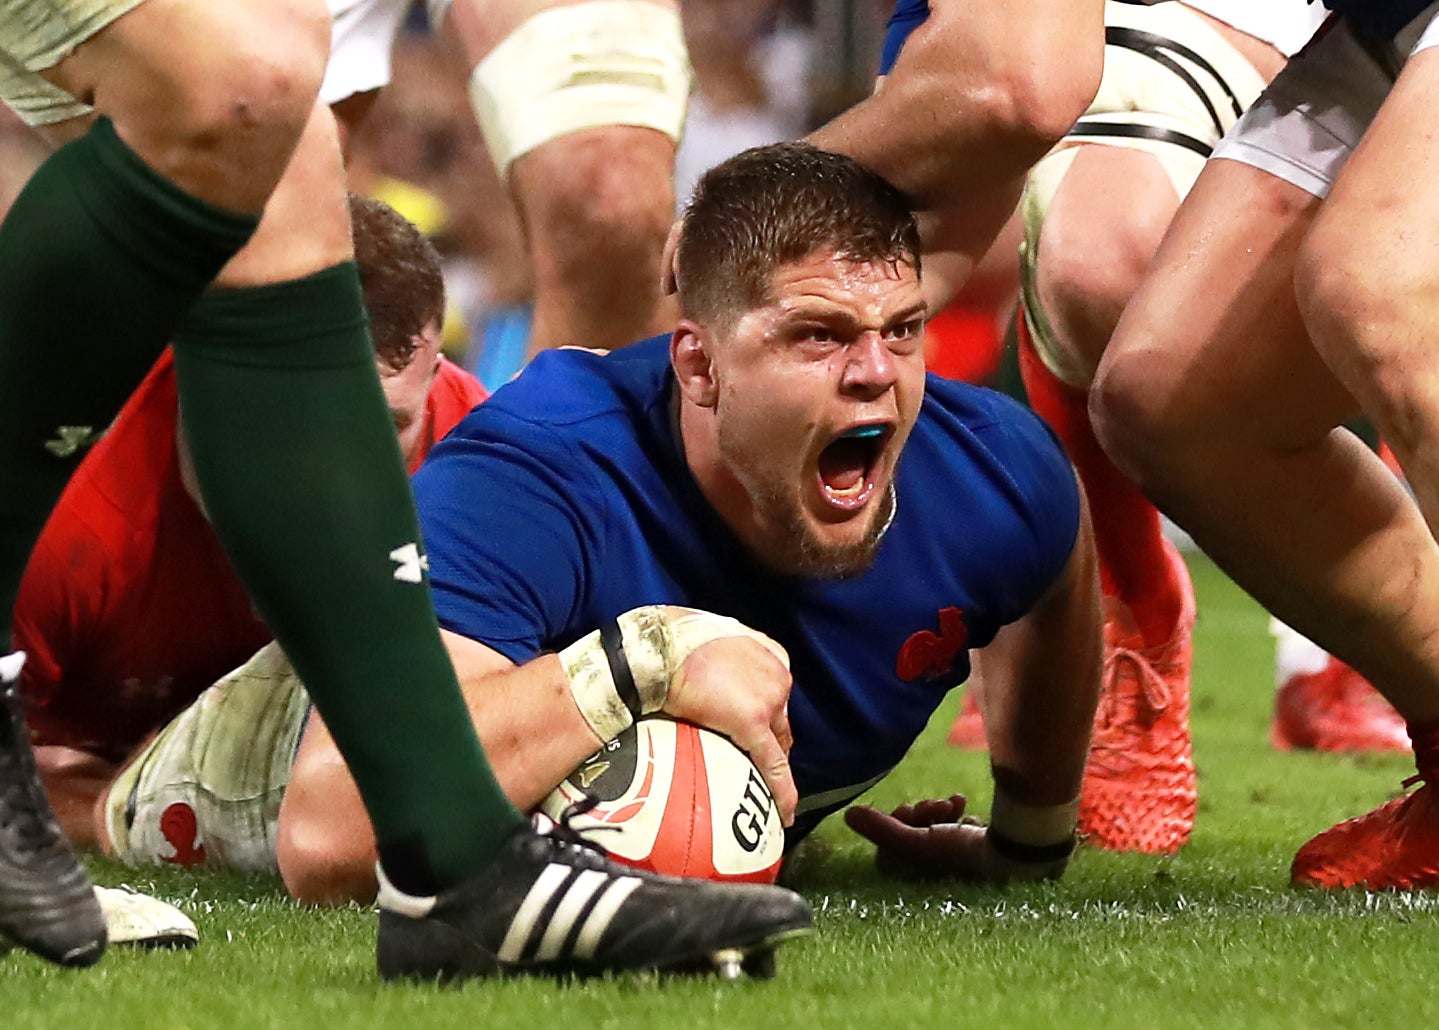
point(1096, 242)
point(147, 56)
point(1384, 205)
point(1174, 82)
point(1212, 344)
point(545, 70)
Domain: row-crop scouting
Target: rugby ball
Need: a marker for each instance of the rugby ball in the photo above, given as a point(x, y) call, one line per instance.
point(676, 799)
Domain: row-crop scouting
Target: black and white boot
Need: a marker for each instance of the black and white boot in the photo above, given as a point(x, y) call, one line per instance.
point(47, 904)
point(553, 904)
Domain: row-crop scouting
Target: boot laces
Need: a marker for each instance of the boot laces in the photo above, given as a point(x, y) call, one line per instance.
point(1141, 667)
point(563, 831)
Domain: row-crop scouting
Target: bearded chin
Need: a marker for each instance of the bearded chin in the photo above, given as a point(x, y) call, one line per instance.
point(788, 542)
point(795, 549)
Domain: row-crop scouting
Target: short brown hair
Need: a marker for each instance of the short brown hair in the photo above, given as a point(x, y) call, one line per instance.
point(773, 205)
point(401, 278)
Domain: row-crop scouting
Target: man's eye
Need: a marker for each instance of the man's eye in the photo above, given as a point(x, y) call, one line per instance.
point(905, 337)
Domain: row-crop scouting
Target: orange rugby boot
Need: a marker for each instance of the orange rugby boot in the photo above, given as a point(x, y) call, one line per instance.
point(1394, 847)
point(1334, 709)
point(1140, 789)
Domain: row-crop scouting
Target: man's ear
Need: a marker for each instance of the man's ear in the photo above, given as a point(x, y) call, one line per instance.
point(693, 365)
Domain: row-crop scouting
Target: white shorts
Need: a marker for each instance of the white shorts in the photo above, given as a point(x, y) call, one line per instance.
point(207, 789)
point(1285, 25)
point(1311, 118)
point(1172, 87)
point(361, 40)
point(36, 36)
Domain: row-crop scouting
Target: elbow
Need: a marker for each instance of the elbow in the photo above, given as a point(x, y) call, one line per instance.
point(989, 129)
point(318, 872)
point(1036, 100)
point(325, 868)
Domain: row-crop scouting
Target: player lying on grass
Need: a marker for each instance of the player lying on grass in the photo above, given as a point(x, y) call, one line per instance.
point(191, 144)
point(739, 483)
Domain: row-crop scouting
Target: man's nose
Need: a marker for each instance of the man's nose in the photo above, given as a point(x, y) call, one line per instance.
point(871, 366)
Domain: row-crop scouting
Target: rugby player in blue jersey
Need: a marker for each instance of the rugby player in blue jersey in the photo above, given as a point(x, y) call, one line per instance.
point(775, 490)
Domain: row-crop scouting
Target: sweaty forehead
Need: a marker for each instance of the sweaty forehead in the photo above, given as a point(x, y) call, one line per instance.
point(826, 276)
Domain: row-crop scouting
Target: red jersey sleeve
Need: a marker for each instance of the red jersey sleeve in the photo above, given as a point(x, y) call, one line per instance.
point(58, 598)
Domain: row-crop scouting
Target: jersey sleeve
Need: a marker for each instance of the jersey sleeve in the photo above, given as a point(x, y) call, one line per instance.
point(453, 394)
point(1045, 495)
point(508, 520)
point(908, 15)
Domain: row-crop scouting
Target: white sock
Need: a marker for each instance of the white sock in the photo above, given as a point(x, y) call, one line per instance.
point(1294, 653)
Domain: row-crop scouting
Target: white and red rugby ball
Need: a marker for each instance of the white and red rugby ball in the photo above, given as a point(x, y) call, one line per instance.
point(676, 799)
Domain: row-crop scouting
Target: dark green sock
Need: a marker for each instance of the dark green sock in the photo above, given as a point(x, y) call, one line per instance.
point(99, 258)
point(303, 478)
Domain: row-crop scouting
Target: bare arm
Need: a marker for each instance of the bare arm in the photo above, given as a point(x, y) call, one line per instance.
point(978, 94)
point(533, 735)
point(971, 257)
point(1041, 684)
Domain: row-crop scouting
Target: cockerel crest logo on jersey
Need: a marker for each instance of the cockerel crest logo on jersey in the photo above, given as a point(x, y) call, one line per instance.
point(931, 654)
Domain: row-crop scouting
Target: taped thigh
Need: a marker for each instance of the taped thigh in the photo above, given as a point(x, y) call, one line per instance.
point(582, 66)
point(1172, 87)
point(207, 789)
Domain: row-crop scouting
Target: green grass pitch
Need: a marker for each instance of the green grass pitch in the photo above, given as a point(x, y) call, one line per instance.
point(1210, 938)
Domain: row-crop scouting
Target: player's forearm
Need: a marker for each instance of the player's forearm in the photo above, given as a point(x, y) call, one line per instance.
point(1042, 677)
point(972, 255)
point(539, 721)
point(532, 732)
point(979, 93)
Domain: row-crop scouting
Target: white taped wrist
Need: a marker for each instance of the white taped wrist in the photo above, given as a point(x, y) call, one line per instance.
point(1033, 825)
point(592, 684)
point(652, 652)
point(624, 671)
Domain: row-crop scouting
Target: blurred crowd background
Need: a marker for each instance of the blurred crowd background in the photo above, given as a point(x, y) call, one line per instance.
point(765, 70)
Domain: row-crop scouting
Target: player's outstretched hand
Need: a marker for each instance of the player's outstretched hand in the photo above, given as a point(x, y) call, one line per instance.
point(739, 686)
point(934, 839)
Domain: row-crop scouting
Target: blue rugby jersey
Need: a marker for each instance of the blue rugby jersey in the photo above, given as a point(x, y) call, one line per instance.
point(907, 16)
point(563, 501)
